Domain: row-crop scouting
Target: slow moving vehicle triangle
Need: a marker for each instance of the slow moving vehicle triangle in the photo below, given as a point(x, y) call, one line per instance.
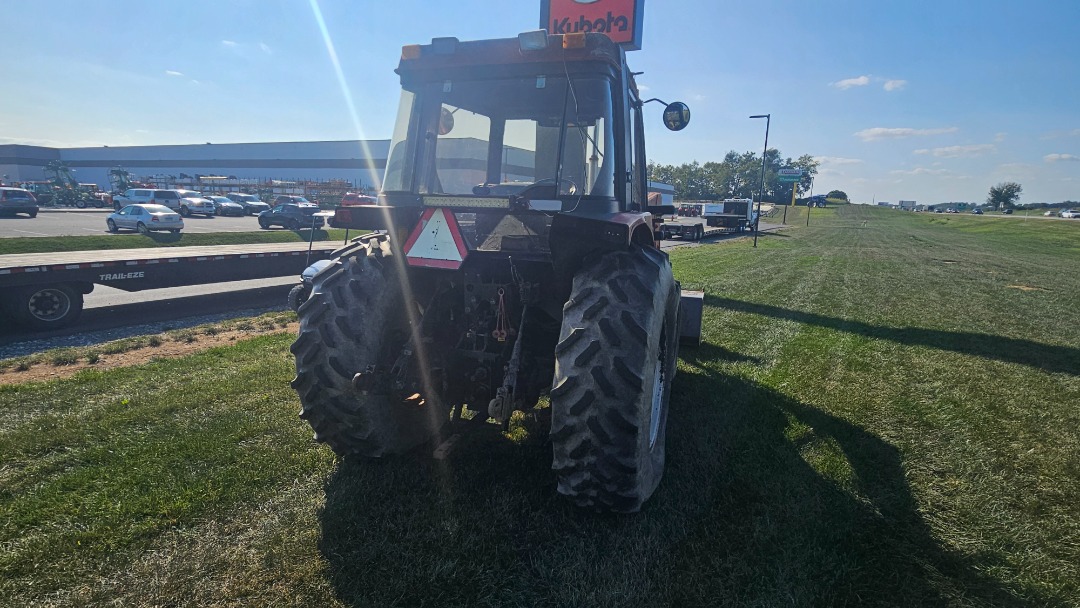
point(436, 241)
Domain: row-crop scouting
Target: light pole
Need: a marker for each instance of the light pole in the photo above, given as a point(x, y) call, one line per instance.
point(761, 191)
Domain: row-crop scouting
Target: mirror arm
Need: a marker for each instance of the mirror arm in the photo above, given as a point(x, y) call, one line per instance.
point(642, 103)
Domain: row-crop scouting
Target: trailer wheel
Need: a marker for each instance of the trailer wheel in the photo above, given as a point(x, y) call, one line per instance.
point(345, 327)
point(298, 295)
point(614, 364)
point(46, 306)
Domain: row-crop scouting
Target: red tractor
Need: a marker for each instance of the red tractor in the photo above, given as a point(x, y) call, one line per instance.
point(515, 256)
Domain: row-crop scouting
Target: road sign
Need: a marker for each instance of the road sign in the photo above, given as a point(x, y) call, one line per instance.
point(790, 178)
point(789, 172)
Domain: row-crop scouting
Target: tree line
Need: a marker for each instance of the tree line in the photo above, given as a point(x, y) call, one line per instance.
point(737, 176)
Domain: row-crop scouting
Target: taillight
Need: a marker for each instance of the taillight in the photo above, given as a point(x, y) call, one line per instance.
point(152, 202)
point(154, 218)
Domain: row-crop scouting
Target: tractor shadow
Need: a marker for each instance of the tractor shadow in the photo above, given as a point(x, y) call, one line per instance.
point(1046, 357)
point(741, 518)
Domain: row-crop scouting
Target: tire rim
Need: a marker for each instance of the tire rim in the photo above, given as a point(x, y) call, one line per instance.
point(49, 305)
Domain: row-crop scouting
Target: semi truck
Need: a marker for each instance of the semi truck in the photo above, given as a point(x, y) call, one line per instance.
point(45, 290)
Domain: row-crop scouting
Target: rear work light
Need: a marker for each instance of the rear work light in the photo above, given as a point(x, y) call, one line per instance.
point(411, 51)
point(535, 40)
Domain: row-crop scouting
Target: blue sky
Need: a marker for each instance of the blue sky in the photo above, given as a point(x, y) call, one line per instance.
point(926, 101)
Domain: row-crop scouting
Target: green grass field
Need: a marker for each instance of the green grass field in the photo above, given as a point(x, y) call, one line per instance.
point(884, 412)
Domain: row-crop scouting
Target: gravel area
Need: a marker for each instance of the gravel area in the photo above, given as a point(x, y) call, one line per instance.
point(32, 346)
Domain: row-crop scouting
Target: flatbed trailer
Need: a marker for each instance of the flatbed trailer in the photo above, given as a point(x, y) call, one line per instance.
point(45, 290)
point(688, 229)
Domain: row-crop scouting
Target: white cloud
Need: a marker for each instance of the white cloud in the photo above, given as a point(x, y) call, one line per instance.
point(837, 160)
point(697, 97)
point(1000, 137)
point(878, 133)
point(1054, 158)
point(959, 151)
point(920, 171)
point(173, 73)
point(895, 85)
point(230, 43)
point(847, 83)
point(265, 48)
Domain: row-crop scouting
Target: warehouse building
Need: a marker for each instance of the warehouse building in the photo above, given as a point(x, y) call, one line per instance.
point(361, 162)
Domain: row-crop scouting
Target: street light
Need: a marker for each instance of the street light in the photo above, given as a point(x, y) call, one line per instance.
point(761, 192)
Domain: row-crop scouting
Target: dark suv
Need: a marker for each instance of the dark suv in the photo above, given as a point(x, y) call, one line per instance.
point(251, 203)
point(290, 198)
point(292, 217)
point(17, 200)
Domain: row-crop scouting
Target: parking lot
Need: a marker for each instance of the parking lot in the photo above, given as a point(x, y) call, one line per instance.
point(81, 222)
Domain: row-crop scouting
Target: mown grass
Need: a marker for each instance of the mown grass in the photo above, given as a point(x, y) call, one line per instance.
point(880, 415)
point(139, 241)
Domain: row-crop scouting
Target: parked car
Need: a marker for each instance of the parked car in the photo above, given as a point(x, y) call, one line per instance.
point(1049, 213)
point(149, 196)
point(1071, 213)
point(251, 203)
point(145, 219)
point(17, 200)
point(194, 203)
point(290, 198)
point(977, 211)
point(224, 206)
point(354, 199)
point(1008, 212)
point(291, 216)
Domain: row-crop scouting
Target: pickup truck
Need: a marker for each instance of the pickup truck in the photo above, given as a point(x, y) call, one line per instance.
point(184, 202)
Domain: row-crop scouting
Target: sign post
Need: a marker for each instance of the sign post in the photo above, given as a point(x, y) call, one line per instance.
point(793, 176)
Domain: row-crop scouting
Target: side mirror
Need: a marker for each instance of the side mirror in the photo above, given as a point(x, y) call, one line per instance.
point(446, 122)
point(676, 116)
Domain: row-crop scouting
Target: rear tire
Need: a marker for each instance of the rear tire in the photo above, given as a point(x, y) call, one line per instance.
point(111, 225)
point(355, 305)
point(614, 364)
point(141, 227)
point(44, 307)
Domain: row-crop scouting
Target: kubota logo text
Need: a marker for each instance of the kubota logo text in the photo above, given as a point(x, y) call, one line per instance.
point(611, 23)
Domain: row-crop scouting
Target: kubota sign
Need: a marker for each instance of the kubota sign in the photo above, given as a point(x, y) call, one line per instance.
point(619, 19)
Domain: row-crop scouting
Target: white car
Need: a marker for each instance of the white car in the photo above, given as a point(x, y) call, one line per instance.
point(194, 203)
point(1071, 213)
point(145, 219)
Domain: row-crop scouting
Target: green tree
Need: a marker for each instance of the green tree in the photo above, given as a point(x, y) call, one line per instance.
point(1004, 195)
point(736, 176)
point(840, 194)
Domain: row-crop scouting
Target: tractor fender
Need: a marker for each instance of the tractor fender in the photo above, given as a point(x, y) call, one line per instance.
point(575, 235)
